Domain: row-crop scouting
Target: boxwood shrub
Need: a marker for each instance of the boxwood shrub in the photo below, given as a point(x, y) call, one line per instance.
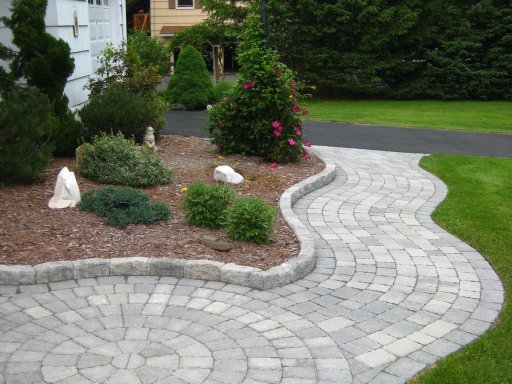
point(251, 219)
point(206, 205)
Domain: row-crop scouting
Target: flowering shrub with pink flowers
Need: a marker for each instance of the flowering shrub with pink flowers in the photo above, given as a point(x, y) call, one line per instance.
point(261, 114)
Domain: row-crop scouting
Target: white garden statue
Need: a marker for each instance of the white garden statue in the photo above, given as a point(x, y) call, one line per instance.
point(149, 139)
point(66, 193)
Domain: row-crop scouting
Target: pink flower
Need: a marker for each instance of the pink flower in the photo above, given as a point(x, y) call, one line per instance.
point(296, 109)
point(305, 153)
point(298, 131)
point(277, 72)
point(305, 112)
point(292, 142)
point(307, 143)
point(248, 85)
point(273, 165)
point(278, 128)
point(293, 86)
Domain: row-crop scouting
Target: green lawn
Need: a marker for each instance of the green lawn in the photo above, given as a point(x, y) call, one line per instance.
point(495, 116)
point(478, 210)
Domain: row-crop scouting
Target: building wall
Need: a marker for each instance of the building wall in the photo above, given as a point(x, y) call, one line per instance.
point(59, 22)
point(162, 15)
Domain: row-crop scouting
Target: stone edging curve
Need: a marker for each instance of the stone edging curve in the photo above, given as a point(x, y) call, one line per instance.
point(230, 273)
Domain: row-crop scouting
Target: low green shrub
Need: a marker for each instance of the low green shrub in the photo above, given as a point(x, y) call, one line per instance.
point(123, 206)
point(112, 159)
point(25, 131)
point(191, 84)
point(251, 219)
point(221, 89)
point(206, 205)
point(119, 110)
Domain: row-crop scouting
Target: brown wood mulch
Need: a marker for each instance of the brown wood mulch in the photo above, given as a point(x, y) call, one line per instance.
point(31, 233)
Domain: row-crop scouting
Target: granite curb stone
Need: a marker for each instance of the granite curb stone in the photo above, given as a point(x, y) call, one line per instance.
point(285, 273)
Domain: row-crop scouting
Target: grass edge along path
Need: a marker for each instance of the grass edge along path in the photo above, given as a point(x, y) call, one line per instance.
point(478, 210)
point(470, 116)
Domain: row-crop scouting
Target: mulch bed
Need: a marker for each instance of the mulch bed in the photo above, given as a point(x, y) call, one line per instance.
point(31, 233)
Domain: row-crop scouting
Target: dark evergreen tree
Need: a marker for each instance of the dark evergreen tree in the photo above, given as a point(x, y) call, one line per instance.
point(443, 49)
point(44, 62)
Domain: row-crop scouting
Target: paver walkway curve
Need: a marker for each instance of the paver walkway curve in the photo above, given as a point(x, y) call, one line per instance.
point(391, 294)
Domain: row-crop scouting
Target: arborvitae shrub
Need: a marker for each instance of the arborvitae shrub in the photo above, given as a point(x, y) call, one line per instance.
point(206, 205)
point(119, 110)
point(251, 219)
point(25, 148)
point(123, 206)
point(191, 84)
point(112, 159)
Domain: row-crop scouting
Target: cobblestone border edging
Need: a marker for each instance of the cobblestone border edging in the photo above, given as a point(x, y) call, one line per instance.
point(230, 273)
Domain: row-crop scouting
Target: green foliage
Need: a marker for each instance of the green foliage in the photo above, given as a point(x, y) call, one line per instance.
point(112, 159)
point(25, 150)
point(191, 84)
point(206, 205)
point(251, 219)
point(123, 206)
point(151, 51)
point(119, 110)
point(43, 62)
point(260, 115)
point(221, 89)
point(122, 66)
point(67, 133)
point(442, 49)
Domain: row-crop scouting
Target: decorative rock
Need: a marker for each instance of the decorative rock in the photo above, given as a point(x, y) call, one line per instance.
point(66, 193)
point(216, 243)
point(226, 174)
point(149, 139)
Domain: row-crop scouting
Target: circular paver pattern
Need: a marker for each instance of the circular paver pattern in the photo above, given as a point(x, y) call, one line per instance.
point(391, 294)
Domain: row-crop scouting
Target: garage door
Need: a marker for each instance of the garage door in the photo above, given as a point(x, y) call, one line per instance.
point(100, 28)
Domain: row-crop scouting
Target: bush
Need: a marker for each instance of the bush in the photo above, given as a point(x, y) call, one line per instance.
point(151, 51)
point(66, 134)
point(190, 85)
point(123, 206)
point(118, 66)
point(206, 205)
point(25, 150)
point(251, 219)
point(221, 89)
point(116, 160)
point(118, 110)
point(260, 115)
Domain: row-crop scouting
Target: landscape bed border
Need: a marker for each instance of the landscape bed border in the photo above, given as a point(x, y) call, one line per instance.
point(230, 273)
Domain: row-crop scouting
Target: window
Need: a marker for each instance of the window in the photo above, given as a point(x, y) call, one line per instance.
point(185, 4)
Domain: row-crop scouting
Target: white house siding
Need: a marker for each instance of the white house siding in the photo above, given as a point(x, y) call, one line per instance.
point(59, 22)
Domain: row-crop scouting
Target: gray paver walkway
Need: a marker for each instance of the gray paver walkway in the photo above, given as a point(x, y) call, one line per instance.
point(391, 294)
